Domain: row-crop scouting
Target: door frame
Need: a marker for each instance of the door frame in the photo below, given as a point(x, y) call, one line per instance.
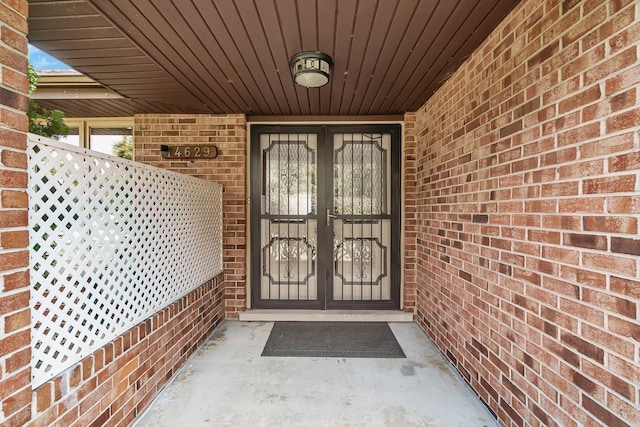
point(324, 134)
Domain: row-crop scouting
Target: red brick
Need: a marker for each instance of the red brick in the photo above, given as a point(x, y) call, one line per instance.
point(16, 280)
point(18, 361)
point(579, 134)
point(595, 279)
point(611, 224)
point(606, 107)
point(559, 318)
point(587, 385)
point(19, 418)
point(582, 311)
point(75, 376)
point(608, 28)
point(16, 402)
point(582, 169)
point(591, 19)
point(16, 341)
point(607, 146)
point(14, 239)
point(560, 156)
point(617, 6)
point(589, 241)
point(564, 222)
point(543, 54)
point(561, 287)
point(13, 179)
point(624, 409)
point(14, 302)
point(13, 260)
point(624, 328)
point(623, 204)
point(13, 18)
point(43, 397)
point(623, 368)
point(578, 100)
point(10, 383)
point(14, 199)
point(229, 134)
point(14, 39)
point(614, 264)
point(625, 246)
point(544, 236)
point(626, 287)
point(622, 121)
point(625, 38)
point(610, 66)
point(12, 99)
point(611, 303)
point(511, 128)
point(608, 341)
point(601, 413)
point(614, 184)
point(16, 119)
point(586, 348)
point(609, 380)
point(15, 80)
point(13, 159)
point(623, 80)
point(13, 138)
point(17, 321)
point(14, 297)
point(583, 205)
point(625, 162)
point(14, 218)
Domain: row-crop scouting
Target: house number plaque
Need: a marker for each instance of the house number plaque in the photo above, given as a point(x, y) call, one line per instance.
point(189, 152)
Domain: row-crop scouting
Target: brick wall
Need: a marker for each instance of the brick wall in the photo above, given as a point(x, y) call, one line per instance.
point(15, 349)
point(528, 204)
point(410, 219)
point(228, 133)
point(116, 383)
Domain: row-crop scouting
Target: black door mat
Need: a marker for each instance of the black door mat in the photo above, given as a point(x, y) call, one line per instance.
point(332, 339)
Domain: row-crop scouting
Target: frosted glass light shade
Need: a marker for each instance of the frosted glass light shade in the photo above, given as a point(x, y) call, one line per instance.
point(311, 69)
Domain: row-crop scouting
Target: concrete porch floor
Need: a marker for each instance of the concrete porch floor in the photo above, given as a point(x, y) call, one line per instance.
point(228, 383)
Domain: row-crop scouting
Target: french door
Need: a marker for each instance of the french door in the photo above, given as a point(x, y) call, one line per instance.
point(325, 209)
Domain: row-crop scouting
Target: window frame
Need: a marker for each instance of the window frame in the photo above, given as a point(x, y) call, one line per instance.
point(85, 124)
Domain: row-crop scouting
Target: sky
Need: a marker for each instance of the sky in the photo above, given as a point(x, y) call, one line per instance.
point(42, 61)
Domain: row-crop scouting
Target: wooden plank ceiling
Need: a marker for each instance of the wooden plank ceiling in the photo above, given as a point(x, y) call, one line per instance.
point(231, 56)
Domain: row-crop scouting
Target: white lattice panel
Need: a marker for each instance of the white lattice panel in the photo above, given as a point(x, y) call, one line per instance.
point(112, 242)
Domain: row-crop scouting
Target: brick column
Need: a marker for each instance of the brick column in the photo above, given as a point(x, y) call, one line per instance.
point(409, 213)
point(15, 349)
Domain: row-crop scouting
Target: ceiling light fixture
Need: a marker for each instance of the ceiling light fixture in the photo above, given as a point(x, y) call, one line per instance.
point(311, 69)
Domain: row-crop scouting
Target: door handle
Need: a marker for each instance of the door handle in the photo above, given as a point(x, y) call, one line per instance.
point(329, 216)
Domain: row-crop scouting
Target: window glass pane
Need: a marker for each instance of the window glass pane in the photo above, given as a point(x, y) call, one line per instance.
point(73, 138)
point(115, 141)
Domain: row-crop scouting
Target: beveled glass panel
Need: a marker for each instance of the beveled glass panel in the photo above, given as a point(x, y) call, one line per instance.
point(288, 260)
point(289, 174)
point(360, 174)
point(362, 260)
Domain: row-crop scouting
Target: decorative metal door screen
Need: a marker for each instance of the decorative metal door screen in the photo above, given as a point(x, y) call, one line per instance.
point(325, 217)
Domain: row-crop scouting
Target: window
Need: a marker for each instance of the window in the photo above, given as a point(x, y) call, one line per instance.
point(113, 136)
point(74, 136)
